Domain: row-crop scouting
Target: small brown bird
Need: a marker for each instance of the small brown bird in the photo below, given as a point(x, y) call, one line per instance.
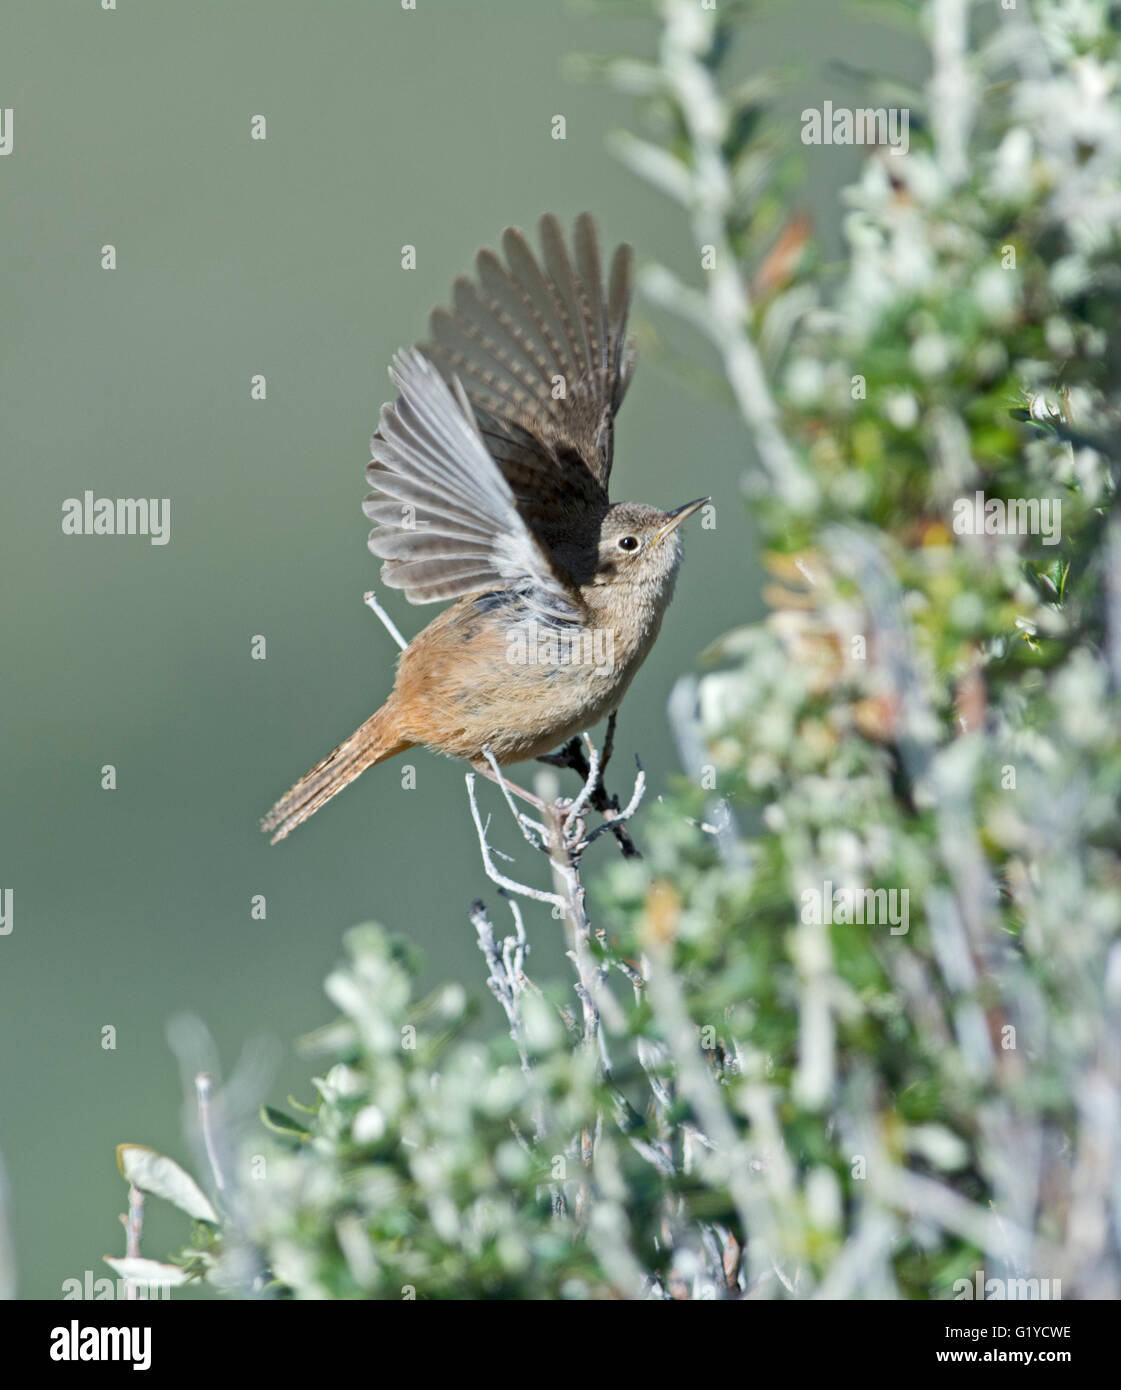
point(489, 479)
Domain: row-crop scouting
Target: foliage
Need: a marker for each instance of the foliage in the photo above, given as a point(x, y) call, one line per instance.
point(774, 1103)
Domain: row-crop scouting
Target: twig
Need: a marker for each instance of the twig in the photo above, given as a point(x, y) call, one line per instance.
point(688, 39)
point(572, 755)
point(697, 1085)
point(591, 781)
point(616, 819)
point(951, 89)
point(203, 1093)
point(134, 1228)
point(511, 885)
point(529, 827)
point(504, 985)
point(371, 602)
point(563, 835)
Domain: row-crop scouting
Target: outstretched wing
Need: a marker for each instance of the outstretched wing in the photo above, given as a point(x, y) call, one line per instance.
point(540, 348)
point(446, 520)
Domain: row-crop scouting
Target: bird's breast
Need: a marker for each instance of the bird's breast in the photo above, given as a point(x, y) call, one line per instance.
point(498, 674)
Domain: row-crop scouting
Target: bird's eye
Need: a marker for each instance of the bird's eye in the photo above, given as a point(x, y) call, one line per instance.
point(628, 542)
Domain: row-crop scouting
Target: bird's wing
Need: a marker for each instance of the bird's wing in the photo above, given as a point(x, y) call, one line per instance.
point(541, 349)
point(446, 520)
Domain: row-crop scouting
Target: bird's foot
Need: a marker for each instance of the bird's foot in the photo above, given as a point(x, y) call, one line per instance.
point(589, 767)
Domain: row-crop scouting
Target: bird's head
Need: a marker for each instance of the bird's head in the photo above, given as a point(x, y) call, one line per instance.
point(640, 544)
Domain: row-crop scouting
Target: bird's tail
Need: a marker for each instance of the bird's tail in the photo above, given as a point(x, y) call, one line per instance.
point(372, 743)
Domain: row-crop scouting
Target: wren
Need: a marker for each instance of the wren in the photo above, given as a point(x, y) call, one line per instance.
point(489, 484)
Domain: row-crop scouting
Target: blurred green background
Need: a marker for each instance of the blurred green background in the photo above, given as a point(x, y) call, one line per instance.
point(279, 257)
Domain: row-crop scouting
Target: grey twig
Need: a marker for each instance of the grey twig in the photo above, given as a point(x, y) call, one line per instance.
point(371, 602)
point(532, 830)
point(687, 40)
point(206, 1127)
point(615, 820)
point(511, 885)
point(505, 984)
point(133, 1223)
point(590, 784)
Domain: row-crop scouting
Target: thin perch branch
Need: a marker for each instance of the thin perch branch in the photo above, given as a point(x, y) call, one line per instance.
point(371, 602)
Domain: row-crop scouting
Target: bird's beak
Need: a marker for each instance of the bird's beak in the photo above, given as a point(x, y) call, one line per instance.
point(678, 515)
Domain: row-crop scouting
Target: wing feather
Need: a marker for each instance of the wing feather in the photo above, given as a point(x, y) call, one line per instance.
point(447, 523)
point(517, 329)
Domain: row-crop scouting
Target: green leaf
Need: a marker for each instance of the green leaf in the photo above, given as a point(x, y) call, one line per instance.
point(281, 1123)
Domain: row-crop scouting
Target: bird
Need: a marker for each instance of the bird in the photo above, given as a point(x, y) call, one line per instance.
point(489, 481)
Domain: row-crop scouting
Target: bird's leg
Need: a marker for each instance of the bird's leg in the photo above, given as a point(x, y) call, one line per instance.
point(572, 755)
point(608, 747)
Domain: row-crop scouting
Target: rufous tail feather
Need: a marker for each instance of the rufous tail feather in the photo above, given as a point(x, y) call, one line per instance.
point(372, 743)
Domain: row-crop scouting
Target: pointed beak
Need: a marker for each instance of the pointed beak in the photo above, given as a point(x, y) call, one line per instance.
point(678, 515)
